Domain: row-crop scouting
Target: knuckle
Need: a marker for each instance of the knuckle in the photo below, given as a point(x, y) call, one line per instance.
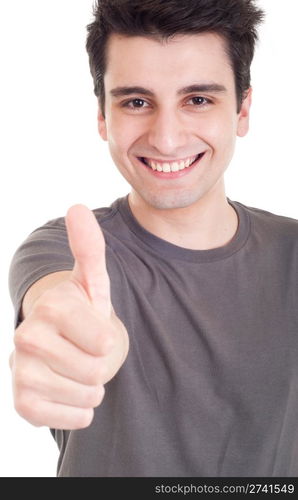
point(37, 415)
point(21, 377)
point(100, 394)
point(83, 418)
point(93, 375)
point(20, 337)
point(104, 371)
point(94, 396)
point(26, 406)
point(47, 309)
point(107, 343)
point(26, 339)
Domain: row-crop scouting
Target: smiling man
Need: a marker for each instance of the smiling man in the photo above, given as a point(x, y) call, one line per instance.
point(158, 336)
point(173, 142)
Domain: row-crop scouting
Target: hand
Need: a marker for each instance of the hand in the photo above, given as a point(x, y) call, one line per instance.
point(71, 343)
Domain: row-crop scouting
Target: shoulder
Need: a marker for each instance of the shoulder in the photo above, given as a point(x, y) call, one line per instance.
point(271, 223)
point(102, 214)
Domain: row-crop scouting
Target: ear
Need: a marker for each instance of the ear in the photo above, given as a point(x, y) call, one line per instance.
point(101, 123)
point(243, 117)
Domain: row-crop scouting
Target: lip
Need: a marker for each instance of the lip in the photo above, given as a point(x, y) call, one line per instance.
point(173, 175)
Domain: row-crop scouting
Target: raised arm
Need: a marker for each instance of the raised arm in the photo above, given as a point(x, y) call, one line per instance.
point(70, 342)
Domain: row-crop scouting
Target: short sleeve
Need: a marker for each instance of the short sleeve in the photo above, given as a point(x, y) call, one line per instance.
point(45, 251)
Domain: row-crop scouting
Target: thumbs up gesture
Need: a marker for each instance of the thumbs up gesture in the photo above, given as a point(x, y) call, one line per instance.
point(71, 343)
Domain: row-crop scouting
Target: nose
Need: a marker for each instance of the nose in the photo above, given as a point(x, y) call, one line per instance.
point(167, 132)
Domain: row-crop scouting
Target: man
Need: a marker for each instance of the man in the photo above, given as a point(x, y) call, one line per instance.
point(159, 338)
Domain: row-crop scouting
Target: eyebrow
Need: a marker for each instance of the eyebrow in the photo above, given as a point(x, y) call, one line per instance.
point(201, 87)
point(214, 88)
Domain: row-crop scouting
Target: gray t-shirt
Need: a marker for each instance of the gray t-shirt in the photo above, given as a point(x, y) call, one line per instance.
point(210, 384)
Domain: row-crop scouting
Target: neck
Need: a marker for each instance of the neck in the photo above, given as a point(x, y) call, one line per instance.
point(211, 222)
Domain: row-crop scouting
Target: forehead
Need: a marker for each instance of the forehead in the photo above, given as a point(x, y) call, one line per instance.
point(138, 59)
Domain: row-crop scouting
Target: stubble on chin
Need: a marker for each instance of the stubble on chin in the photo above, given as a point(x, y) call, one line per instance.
point(168, 201)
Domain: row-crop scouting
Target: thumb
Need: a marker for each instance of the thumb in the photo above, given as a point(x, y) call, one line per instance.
point(87, 244)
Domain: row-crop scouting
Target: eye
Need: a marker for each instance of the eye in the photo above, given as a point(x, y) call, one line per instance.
point(199, 101)
point(135, 104)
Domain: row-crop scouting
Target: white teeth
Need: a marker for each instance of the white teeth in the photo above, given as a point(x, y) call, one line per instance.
point(171, 167)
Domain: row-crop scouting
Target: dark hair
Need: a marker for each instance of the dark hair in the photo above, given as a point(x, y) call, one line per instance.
point(235, 20)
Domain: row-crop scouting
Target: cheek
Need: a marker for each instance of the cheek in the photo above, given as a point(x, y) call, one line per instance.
point(123, 134)
point(116, 133)
point(220, 134)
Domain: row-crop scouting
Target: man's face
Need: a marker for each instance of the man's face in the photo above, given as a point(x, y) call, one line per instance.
point(171, 116)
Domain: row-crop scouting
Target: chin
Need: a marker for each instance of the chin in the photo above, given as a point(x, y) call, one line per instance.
point(170, 201)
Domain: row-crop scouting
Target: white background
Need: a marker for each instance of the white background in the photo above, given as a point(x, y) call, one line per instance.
point(51, 156)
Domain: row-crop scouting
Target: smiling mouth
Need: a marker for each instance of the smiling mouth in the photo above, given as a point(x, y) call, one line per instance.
point(173, 166)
